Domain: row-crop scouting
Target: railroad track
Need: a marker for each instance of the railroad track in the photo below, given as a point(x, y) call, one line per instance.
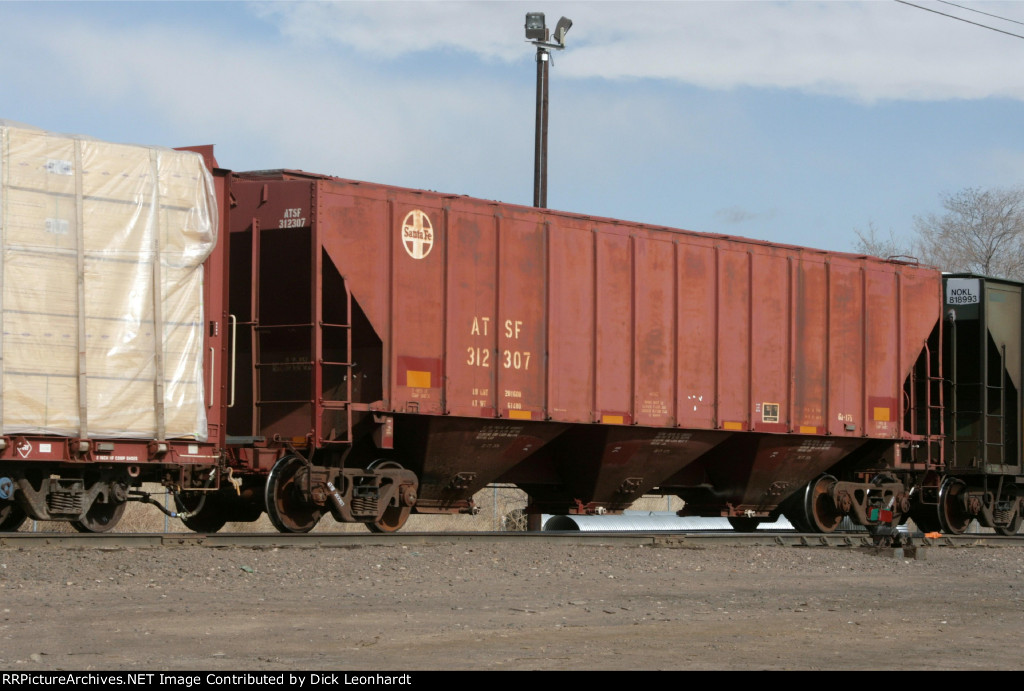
point(661, 539)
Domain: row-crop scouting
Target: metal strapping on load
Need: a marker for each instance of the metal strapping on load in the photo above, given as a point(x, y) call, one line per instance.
point(83, 378)
point(158, 306)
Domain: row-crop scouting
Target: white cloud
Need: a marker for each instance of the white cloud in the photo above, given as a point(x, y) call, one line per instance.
point(440, 95)
point(860, 50)
point(264, 104)
point(387, 30)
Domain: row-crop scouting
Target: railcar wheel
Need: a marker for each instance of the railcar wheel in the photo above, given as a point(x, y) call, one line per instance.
point(953, 516)
point(210, 518)
point(12, 517)
point(391, 521)
point(742, 524)
point(821, 512)
point(286, 507)
point(1012, 528)
point(793, 511)
point(100, 518)
point(393, 517)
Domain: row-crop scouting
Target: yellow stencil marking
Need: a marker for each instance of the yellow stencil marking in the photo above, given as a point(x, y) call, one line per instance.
point(419, 380)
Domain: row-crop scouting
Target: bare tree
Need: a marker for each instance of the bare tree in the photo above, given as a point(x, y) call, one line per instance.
point(981, 231)
point(871, 242)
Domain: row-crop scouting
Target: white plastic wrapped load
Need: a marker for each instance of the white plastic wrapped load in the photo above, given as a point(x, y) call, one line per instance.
point(101, 287)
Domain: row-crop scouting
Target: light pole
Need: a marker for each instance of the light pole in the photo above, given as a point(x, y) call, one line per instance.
point(537, 34)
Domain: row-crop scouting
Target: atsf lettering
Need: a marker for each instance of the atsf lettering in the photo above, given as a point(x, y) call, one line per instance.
point(293, 218)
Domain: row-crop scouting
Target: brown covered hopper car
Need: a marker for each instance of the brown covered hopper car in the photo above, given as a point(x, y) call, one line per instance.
point(446, 343)
point(385, 351)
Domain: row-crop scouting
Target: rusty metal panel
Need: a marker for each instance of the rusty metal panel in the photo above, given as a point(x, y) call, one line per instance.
point(696, 342)
point(216, 308)
point(472, 340)
point(461, 455)
point(608, 466)
point(613, 379)
point(354, 218)
point(571, 321)
point(734, 338)
point(920, 306)
point(810, 338)
point(882, 378)
point(655, 331)
point(522, 326)
point(846, 349)
point(417, 305)
point(770, 351)
point(488, 310)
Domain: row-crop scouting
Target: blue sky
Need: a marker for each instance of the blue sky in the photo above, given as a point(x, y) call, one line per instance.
point(794, 122)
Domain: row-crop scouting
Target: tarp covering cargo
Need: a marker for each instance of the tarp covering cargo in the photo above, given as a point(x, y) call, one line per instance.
point(101, 284)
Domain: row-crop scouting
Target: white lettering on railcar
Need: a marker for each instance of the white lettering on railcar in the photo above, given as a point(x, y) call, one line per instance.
point(666, 438)
point(481, 402)
point(479, 327)
point(654, 407)
point(495, 432)
point(512, 328)
point(516, 359)
point(810, 449)
point(293, 218)
point(478, 357)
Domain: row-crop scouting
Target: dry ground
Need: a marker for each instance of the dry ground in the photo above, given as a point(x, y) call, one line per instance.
point(510, 606)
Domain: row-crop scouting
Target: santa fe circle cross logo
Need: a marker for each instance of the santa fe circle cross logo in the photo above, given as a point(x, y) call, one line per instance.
point(417, 234)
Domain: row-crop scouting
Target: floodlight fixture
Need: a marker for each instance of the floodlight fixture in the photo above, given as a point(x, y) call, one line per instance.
point(561, 29)
point(536, 29)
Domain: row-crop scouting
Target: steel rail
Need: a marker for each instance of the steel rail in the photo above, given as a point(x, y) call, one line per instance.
point(689, 540)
